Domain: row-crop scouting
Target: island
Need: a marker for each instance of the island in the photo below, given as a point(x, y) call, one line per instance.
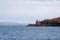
point(47, 22)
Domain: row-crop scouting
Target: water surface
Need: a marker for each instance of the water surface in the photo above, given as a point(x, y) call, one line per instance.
point(21, 32)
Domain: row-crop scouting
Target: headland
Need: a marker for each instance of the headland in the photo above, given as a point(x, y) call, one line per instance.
point(47, 22)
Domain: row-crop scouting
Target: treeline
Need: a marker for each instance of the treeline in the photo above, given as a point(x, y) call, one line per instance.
point(51, 22)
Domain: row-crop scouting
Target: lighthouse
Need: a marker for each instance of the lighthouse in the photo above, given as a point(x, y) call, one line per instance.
point(38, 23)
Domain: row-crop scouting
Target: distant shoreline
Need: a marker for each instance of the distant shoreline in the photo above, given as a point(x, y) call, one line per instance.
point(47, 22)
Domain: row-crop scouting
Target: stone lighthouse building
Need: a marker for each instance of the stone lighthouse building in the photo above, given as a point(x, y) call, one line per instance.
point(38, 23)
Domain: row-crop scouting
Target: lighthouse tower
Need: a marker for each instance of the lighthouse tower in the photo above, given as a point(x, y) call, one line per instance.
point(38, 23)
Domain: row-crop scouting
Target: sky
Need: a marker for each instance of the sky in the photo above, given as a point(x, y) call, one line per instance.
point(28, 11)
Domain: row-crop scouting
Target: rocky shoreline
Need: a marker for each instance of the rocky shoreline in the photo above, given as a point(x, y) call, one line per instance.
point(47, 22)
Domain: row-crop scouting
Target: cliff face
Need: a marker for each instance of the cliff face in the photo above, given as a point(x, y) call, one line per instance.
point(52, 22)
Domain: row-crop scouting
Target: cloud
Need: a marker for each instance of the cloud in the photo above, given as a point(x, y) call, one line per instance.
point(28, 10)
point(30, 0)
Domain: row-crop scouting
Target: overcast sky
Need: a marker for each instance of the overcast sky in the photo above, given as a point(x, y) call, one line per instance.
point(28, 10)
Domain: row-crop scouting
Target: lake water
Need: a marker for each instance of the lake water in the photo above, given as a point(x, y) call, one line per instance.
point(19, 32)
